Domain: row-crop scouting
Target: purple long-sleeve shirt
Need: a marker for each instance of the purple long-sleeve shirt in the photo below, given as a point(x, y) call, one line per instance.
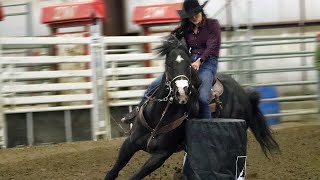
point(207, 41)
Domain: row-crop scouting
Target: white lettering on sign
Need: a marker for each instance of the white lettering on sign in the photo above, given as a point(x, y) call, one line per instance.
point(64, 12)
point(152, 12)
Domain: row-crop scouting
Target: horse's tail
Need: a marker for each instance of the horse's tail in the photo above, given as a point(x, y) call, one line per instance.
point(258, 125)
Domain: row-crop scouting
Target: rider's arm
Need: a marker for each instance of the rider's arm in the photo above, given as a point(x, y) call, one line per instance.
point(213, 41)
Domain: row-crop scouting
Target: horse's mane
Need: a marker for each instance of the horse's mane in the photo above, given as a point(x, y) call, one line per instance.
point(171, 42)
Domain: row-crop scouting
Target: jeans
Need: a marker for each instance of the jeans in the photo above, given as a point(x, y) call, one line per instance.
point(156, 83)
point(206, 73)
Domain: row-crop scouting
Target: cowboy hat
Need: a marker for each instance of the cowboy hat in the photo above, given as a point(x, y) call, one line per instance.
point(191, 8)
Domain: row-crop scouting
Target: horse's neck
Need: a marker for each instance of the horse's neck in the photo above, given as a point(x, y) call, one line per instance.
point(155, 110)
point(162, 91)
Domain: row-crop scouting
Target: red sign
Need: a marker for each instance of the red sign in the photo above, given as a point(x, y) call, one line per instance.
point(1, 13)
point(157, 14)
point(73, 12)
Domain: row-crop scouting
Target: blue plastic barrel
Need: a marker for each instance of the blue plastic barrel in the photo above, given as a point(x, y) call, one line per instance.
point(269, 107)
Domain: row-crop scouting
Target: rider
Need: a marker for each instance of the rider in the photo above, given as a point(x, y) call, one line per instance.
point(203, 38)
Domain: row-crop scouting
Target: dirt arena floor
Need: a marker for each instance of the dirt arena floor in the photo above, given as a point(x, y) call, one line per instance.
point(300, 159)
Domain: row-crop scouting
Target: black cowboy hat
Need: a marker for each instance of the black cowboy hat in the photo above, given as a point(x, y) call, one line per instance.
point(191, 8)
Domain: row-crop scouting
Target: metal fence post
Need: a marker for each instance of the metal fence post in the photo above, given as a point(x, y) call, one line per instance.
point(100, 123)
point(29, 19)
point(241, 63)
point(317, 64)
point(318, 93)
point(250, 62)
point(236, 61)
point(3, 126)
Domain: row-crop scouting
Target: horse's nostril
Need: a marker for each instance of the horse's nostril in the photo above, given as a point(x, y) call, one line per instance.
point(184, 101)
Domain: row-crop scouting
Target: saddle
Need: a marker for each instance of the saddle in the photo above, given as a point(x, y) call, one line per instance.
point(216, 91)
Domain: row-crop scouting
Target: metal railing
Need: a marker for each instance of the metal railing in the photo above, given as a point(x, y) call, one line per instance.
point(128, 89)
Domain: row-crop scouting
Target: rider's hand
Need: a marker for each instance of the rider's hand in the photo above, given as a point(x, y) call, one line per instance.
point(196, 64)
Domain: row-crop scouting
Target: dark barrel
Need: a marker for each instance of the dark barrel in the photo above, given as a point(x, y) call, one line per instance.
point(216, 149)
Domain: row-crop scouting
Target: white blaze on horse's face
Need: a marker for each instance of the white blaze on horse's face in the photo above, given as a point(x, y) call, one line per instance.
point(179, 59)
point(181, 84)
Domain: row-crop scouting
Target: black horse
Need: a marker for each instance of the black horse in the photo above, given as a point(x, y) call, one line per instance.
point(159, 127)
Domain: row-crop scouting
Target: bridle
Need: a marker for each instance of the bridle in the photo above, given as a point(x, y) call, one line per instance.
point(169, 99)
point(168, 84)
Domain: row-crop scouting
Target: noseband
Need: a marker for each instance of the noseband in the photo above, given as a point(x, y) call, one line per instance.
point(182, 76)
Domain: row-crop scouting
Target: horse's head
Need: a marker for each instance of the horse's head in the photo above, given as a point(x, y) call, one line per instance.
point(177, 68)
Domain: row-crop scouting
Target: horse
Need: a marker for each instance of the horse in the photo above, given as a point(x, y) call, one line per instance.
point(159, 127)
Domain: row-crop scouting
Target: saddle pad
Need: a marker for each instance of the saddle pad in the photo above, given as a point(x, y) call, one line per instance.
point(217, 89)
point(216, 92)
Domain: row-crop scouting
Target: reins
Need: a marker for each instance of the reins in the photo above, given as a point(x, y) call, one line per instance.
point(169, 99)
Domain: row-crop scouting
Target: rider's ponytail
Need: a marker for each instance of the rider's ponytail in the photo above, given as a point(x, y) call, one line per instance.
point(179, 32)
point(185, 24)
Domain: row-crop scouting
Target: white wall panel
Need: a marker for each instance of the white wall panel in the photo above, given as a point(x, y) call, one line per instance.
point(312, 9)
point(288, 10)
point(263, 11)
point(17, 25)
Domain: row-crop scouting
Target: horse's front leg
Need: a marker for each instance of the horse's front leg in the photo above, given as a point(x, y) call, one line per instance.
point(153, 163)
point(127, 150)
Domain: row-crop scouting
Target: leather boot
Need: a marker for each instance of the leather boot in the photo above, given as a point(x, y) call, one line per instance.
point(130, 116)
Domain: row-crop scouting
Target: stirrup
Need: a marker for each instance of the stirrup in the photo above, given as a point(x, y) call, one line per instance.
point(130, 116)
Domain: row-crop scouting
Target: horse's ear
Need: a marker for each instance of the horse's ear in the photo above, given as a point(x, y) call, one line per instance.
point(170, 42)
point(183, 45)
point(183, 42)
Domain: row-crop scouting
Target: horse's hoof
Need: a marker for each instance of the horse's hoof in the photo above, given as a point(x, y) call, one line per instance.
point(109, 177)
